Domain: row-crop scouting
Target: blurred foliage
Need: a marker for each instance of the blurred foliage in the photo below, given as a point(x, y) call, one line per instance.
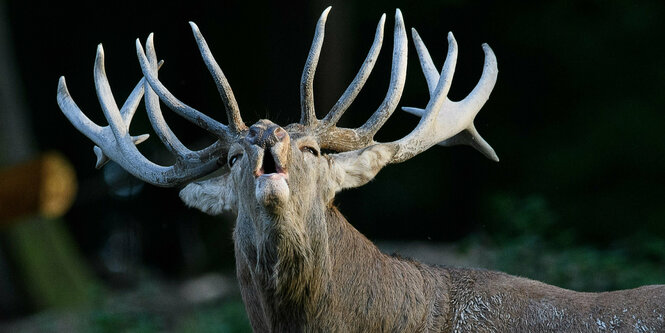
point(526, 238)
point(515, 217)
point(52, 270)
point(227, 318)
point(108, 322)
point(224, 316)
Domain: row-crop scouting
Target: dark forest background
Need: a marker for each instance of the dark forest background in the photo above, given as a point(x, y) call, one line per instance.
point(576, 118)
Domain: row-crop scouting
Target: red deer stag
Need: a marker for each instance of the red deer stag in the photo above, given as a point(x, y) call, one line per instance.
point(300, 264)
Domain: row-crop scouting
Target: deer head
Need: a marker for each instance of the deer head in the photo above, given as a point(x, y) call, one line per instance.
point(281, 170)
point(276, 176)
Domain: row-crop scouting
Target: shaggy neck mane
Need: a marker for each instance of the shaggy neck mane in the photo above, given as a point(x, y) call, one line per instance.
point(292, 260)
point(295, 263)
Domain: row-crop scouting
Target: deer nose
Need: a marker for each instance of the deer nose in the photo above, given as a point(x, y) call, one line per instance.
point(265, 134)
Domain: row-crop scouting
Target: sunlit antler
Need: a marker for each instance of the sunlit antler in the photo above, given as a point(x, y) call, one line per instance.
point(456, 114)
point(344, 139)
point(114, 142)
point(443, 121)
point(127, 111)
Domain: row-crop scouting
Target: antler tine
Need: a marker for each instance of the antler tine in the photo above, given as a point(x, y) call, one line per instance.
point(358, 82)
point(345, 139)
point(105, 96)
point(86, 126)
point(130, 106)
point(470, 104)
point(397, 80)
point(426, 63)
point(82, 123)
point(194, 116)
point(481, 92)
point(129, 154)
point(445, 120)
point(116, 142)
point(308, 112)
point(445, 81)
point(419, 139)
point(127, 112)
point(232, 111)
point(170, 140)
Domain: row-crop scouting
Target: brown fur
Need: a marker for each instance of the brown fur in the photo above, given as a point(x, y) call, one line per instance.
point(356, 288)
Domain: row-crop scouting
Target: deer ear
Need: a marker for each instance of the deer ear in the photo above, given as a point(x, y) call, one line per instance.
point(356, 168)
point(212, 196)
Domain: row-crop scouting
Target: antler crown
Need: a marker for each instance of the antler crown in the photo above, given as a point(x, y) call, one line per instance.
point(442, 121)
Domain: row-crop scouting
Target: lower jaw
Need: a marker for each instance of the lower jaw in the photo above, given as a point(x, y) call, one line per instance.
point(272, 190)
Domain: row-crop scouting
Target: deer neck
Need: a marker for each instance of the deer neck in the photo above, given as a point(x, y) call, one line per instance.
point(305, 279)
point(289, 267)
point(285, 255)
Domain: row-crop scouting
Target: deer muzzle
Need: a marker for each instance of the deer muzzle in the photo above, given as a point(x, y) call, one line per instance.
point(272, 144)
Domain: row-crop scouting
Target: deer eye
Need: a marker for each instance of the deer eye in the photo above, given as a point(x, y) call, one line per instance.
point(310, 150)
point(233, 159)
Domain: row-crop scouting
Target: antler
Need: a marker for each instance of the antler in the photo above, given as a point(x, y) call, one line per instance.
point(468, 107)
point(117, 144)
point(443, 121)
point(344, 139)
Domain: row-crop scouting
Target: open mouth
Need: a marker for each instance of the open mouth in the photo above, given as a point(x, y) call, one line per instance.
point(271, 179)
point(270, 165)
